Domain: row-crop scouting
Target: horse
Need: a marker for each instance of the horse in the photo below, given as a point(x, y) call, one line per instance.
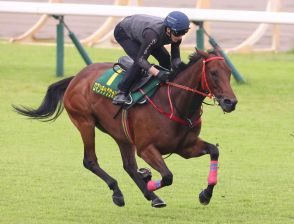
point(169, 123)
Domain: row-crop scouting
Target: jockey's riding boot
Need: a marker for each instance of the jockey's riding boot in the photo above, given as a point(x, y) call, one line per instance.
point(125, 85)
point(120, 98)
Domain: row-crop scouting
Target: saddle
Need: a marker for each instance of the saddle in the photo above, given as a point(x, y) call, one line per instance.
point(107, 84)
point(125, 62)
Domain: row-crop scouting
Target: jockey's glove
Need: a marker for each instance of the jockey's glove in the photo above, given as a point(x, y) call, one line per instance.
point(164, 75)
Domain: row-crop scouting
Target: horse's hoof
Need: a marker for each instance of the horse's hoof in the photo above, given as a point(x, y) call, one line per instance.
point(203, 198)
point(145, 173)
point(158, 203)
point(118, 200)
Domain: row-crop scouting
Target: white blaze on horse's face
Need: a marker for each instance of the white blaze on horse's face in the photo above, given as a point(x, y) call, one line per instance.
point(218, 76)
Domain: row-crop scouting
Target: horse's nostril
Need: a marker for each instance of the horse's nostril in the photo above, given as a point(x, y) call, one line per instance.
point(228, 105)
point(227, 101)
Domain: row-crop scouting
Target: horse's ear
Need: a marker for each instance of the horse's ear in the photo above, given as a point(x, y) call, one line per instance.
point(197, 51)
point(201, 53)
point(217, 51)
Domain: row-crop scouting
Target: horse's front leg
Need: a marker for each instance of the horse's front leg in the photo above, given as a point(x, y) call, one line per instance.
point(130, 166)
point(152, 156)
point(199, 149)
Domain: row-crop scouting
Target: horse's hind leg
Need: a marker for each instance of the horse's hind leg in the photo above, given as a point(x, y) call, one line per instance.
point(86, 126)
point(131, 167)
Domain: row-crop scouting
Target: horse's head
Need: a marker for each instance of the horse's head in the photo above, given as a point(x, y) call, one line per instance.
point(215, 79)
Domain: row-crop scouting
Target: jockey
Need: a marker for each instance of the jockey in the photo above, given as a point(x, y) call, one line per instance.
point(143, 35)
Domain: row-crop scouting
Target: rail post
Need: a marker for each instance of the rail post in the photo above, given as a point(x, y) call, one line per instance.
point(59, 46)
point(79, 46)
point(199, 34)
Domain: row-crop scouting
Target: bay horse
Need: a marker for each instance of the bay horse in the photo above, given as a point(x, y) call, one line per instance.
point(153, 129)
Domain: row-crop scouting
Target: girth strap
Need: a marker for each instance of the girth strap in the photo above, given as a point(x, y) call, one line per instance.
point(125, 125)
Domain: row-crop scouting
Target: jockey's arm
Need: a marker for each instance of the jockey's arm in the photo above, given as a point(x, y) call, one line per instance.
point(175, 54)
point(153, 71)
point(147, 46)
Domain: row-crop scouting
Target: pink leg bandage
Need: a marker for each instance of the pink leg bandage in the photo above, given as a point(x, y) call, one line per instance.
point(212, 177)
point(154, 185)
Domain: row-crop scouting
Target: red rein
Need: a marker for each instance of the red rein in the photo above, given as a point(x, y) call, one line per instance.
point(204, 85)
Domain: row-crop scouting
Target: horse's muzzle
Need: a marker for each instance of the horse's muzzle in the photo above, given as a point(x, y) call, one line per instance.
point(228, 105)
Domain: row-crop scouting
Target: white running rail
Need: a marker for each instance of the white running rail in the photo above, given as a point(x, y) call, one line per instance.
point(122, 11)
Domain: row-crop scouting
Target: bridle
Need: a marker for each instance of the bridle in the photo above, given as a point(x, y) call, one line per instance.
point(204, 83)
point(204, 86)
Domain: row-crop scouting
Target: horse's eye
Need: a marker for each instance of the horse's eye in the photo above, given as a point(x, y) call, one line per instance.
point(213, 74)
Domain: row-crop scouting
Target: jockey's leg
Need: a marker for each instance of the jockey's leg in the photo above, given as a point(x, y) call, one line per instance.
point(132, 74)
point(130, 166)
point(132, 48)
point(152, 156)
point(199, 149)
point(126, 83)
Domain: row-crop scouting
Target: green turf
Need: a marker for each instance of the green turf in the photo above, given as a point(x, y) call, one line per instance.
point(42, 179)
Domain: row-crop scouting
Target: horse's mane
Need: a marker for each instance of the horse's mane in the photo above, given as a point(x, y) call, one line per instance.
point(193, 58)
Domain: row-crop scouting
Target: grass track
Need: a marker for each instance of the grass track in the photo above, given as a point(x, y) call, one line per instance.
point(42, 179)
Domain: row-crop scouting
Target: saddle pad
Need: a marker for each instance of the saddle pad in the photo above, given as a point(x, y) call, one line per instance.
point(107, 85)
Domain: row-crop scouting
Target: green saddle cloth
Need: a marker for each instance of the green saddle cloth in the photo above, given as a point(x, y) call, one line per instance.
point(107, 85)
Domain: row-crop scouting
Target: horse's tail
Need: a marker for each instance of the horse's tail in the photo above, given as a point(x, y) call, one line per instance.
point(51, 106)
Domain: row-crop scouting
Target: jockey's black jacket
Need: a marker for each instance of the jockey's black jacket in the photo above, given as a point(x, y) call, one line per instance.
point(144, 35)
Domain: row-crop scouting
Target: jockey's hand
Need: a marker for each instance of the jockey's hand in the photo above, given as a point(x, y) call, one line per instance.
point(163, 75)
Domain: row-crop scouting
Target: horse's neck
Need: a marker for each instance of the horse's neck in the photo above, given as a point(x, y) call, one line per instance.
point(188, 103)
